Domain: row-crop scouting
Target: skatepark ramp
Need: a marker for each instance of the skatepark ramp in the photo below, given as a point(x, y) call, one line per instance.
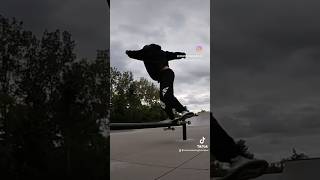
point(306, 169)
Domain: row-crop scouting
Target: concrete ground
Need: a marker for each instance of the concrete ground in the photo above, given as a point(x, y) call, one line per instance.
point(296, 170)
point(149, 154)
point(306, 169)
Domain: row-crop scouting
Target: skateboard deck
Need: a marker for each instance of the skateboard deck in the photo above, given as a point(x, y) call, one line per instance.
point(165, 123)
point(180, 121)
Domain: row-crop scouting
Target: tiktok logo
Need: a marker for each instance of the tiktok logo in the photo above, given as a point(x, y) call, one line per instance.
point(202, 140)
point(202, 145)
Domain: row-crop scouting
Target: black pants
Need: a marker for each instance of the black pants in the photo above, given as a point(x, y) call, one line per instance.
point(223, 147)
point(167, 98)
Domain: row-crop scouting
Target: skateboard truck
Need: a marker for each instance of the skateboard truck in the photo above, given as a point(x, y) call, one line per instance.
point(169, 128)
point(180, 123)
point(183, 122)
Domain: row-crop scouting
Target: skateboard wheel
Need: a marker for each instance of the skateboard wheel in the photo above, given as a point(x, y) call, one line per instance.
point(169, 128)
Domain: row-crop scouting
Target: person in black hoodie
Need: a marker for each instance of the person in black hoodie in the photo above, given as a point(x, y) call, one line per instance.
point(156, 62)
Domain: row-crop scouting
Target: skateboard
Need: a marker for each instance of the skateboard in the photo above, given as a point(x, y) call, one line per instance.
point(179, 121)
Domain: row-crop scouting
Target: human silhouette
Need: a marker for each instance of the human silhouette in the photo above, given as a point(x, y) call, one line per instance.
point(156, 62)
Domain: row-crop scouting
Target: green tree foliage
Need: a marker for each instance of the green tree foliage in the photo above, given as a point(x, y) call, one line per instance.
point(53, 107)
point(134, 100)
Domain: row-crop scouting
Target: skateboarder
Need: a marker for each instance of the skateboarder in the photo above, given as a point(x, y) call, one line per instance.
point(224, 149)
point(157, 66)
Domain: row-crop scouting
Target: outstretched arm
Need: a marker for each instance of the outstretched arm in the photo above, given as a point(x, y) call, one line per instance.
point(135, 54)
point(175, 55)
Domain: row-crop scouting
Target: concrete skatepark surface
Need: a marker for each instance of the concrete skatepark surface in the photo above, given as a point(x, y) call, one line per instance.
point(307, 169)
point(148, 154)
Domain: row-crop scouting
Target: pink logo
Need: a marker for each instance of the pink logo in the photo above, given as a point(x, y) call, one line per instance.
point(199, 49)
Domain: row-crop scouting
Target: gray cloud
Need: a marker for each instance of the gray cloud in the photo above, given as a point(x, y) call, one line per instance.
point(177, 26)
point(265, 73)
point(86, 20)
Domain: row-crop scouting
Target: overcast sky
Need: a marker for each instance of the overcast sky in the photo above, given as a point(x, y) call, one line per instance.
point(265, 59)
point(86, 20)
point(176, 25)
point(266, 74)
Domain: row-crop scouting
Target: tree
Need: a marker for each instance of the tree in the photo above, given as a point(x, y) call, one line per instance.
point(134, 100)
point(53, 107)
point(293, 157)
point(297, 156)
point(244, 150)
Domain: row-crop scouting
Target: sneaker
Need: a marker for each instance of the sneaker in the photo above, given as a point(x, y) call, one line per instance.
point(242, 168)
point(186, 114)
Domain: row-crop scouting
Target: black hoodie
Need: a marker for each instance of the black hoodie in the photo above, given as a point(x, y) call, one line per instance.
point(154, 58)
